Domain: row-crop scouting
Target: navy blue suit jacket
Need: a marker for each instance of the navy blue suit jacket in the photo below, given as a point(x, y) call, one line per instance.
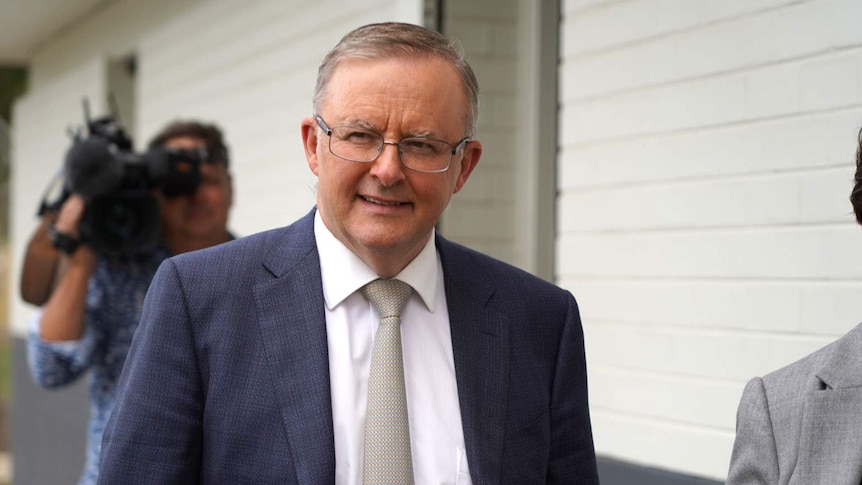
point(227, 380)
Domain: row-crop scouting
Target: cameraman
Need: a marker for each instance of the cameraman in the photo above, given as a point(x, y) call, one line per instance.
point(95, 303)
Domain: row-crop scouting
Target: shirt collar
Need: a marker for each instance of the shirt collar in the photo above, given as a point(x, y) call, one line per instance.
point(343, 272)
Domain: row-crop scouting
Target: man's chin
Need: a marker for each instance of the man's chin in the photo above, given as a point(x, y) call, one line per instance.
point(389, 241)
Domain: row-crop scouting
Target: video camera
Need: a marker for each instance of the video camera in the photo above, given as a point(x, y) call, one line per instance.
point(121, 215)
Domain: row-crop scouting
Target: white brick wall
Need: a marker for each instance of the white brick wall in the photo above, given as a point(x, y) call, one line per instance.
point(706, 159)
point(250, 67)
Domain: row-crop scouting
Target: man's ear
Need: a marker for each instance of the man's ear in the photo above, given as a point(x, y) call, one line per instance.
point(472, 154)
point(309, 143)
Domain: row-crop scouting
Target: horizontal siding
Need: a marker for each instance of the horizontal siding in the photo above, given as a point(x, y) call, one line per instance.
point(825, 308)
point(813, 253)
point(790, 198)
point(789, 144)
point(708, 354)
point(616, 23)
point(706, 159)
point(803, 88)
point(658, 395)
point(747, 41)
point(661, 444)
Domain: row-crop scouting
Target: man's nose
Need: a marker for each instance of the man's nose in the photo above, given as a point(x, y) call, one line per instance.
point(387, 168)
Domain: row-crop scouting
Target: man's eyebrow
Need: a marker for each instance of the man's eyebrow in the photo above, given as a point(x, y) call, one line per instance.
point(359, 123)
point(365, 125)
point(423, 134)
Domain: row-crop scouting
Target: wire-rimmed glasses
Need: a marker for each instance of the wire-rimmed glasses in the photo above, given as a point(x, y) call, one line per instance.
point(356, 144)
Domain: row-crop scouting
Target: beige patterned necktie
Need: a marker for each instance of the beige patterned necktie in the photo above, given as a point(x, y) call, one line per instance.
point(387, 432)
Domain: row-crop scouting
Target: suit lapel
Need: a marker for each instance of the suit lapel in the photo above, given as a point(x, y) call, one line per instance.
point(292, 322)
point(830, 444)
point(480, 344)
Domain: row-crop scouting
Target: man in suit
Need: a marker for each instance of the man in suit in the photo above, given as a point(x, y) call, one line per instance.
point(260, 362)
point(802, 424)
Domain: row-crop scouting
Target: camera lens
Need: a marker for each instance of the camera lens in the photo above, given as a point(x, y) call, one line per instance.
point(122, 221)
point(125, 222)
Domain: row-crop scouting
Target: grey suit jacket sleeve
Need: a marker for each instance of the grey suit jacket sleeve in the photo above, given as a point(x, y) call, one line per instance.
point(755, 457)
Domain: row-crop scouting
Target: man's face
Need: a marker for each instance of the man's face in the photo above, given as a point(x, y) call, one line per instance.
point(381, 210)
point(202, 214)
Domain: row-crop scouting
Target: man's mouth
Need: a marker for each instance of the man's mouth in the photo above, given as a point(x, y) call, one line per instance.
point(380, 202)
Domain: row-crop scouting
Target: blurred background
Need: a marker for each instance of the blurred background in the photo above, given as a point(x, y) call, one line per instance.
point(13, 80)
point(683, 167)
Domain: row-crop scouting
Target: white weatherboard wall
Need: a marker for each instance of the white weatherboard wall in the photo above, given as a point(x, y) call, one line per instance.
point(248, 66)
point(707, 153)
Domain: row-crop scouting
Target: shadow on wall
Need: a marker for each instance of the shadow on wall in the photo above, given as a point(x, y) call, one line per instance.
point(615, 472)
point(5, 358)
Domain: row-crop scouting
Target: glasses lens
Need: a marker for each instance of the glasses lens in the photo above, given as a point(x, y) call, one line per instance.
point(355, 144)
point(425, 154)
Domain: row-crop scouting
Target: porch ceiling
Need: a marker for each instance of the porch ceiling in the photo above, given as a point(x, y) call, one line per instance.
point(24, 24)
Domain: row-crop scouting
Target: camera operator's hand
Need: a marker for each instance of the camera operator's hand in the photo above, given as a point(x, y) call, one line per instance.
point(39, 270)
point(63, 316)
point(70, 216)
point(40, 263)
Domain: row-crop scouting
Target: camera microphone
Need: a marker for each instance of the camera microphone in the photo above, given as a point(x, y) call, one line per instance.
point(91, 169)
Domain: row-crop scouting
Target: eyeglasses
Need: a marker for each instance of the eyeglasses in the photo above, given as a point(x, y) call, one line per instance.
point(421, 154)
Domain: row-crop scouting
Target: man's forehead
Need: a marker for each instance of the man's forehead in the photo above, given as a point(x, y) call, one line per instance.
point(355, 75)
point(184, 142)
point(350, 71)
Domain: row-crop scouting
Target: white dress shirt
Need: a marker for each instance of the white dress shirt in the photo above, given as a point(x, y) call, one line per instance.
point(436, 435)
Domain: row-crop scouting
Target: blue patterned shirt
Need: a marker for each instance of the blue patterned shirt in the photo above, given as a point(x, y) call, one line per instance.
point(115, 297)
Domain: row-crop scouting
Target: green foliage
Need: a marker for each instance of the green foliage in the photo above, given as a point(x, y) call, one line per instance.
point(13, 83)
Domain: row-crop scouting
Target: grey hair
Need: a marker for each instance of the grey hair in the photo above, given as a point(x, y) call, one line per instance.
point(393, 40)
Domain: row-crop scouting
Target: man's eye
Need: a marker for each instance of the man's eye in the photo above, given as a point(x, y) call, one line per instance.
point(360, 137)
point(418, 145)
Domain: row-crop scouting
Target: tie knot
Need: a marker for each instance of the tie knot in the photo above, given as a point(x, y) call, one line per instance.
point(387, 296)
